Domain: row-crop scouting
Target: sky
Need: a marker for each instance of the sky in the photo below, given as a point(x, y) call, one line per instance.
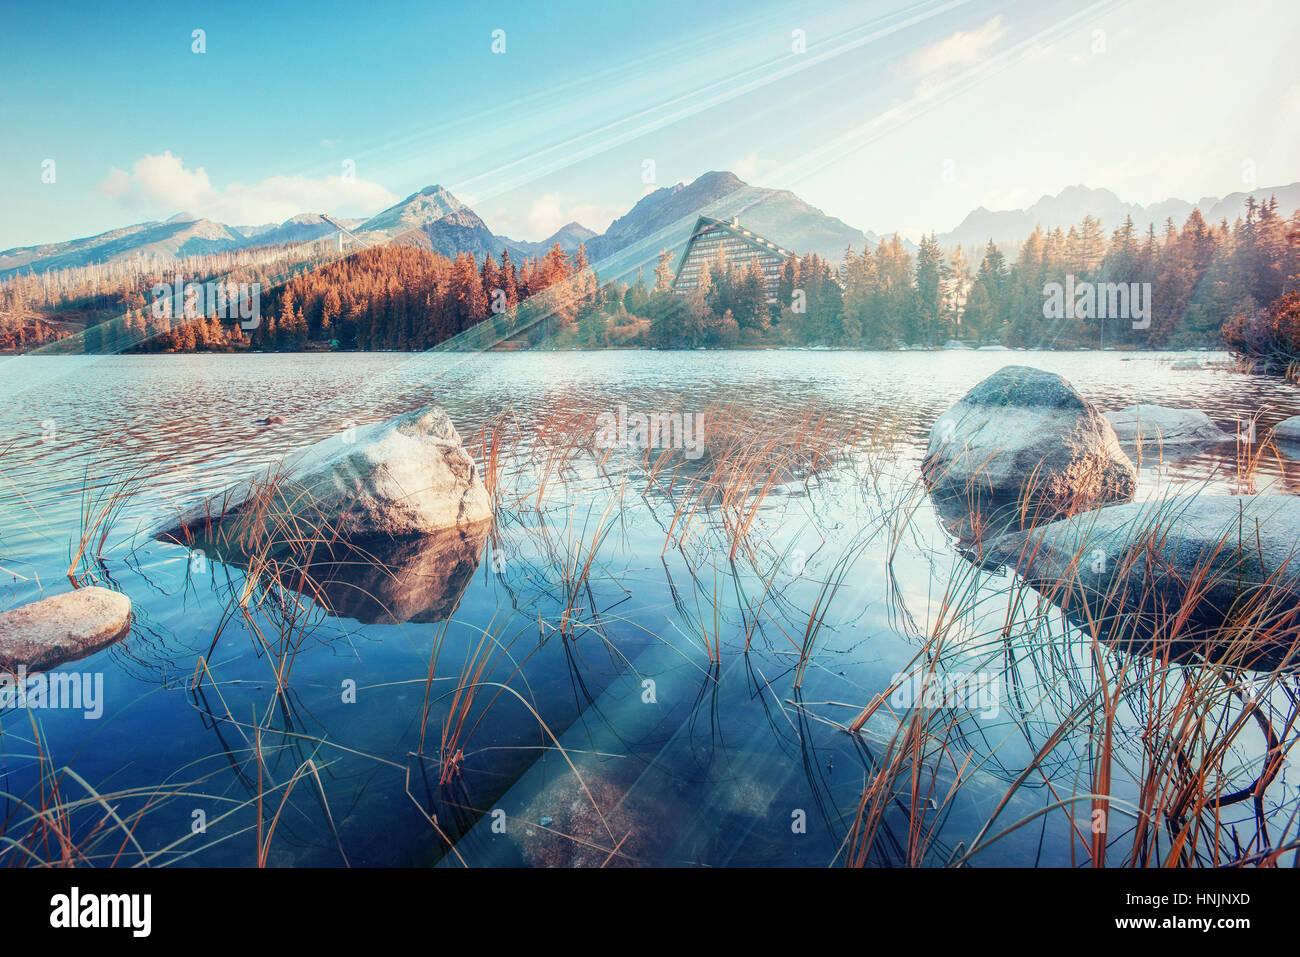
point(895, 116)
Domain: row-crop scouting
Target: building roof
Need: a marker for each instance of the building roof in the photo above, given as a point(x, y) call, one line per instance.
point(705, 225)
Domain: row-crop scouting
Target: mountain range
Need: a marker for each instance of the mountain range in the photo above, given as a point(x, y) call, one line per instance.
point(1068, 207)
point(662, 219)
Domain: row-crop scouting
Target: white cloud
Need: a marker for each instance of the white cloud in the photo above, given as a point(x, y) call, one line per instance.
point(753, 166)
point(161, 183)
point(546, 214)
point(116, 184)
point(279, 197)
point(955, 52)
point(161, 180)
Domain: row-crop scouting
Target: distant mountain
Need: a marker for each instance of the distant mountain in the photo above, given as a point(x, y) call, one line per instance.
point(174, 238)
point(418, 210)
point(1233, 205)
point(181, 235)
point(301, 228)
point(434, 219)
point(253, 231)
point(663, 220)
point(1068, 207)
point(570, 236)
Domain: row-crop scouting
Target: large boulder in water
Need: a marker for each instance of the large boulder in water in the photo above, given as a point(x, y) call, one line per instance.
point(1025, 442)
point(407, 476)
point(62, 628)
point(1216, 575)
point(1156, 427)
point(1288, 430)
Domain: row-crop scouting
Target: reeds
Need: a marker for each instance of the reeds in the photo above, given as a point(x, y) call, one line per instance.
point(102, 503)
point(1105, 749)
point(1161, 742)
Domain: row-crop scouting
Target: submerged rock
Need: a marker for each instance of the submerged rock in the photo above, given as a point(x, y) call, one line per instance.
point(407, 476)
point(1023, 442)
point(49, 632)
point(1158, 426)
point(1214, 574)
point(642, 825)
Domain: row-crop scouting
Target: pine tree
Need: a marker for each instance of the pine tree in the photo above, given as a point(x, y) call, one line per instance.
point(331, 309)
point(929, 287)
point(664, 272)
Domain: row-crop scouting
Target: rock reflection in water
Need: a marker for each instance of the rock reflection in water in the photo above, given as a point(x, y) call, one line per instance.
point(416, 579)
point(974, 518)
point(384, 580)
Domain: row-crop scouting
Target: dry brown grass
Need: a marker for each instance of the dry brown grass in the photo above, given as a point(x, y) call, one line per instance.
point(1174, 717)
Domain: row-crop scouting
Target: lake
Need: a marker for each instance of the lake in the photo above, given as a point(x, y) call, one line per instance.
point(656, 680)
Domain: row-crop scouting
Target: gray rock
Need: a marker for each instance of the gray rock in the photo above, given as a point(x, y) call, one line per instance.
point(1156, 426)
point(407, 476)
point(1026, 437)
point(1198, 573)
point(46, 633)
point(1288, 430)
point(1185, 365)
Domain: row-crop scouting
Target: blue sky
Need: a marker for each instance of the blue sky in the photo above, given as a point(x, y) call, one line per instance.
point(896, 116)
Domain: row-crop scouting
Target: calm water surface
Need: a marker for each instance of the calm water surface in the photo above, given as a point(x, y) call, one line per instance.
point(710, 762)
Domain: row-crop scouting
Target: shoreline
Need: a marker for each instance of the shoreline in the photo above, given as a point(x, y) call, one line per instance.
point(1192, 350)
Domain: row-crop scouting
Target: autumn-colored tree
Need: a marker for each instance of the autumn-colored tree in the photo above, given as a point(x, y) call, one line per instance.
point(664, 272)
